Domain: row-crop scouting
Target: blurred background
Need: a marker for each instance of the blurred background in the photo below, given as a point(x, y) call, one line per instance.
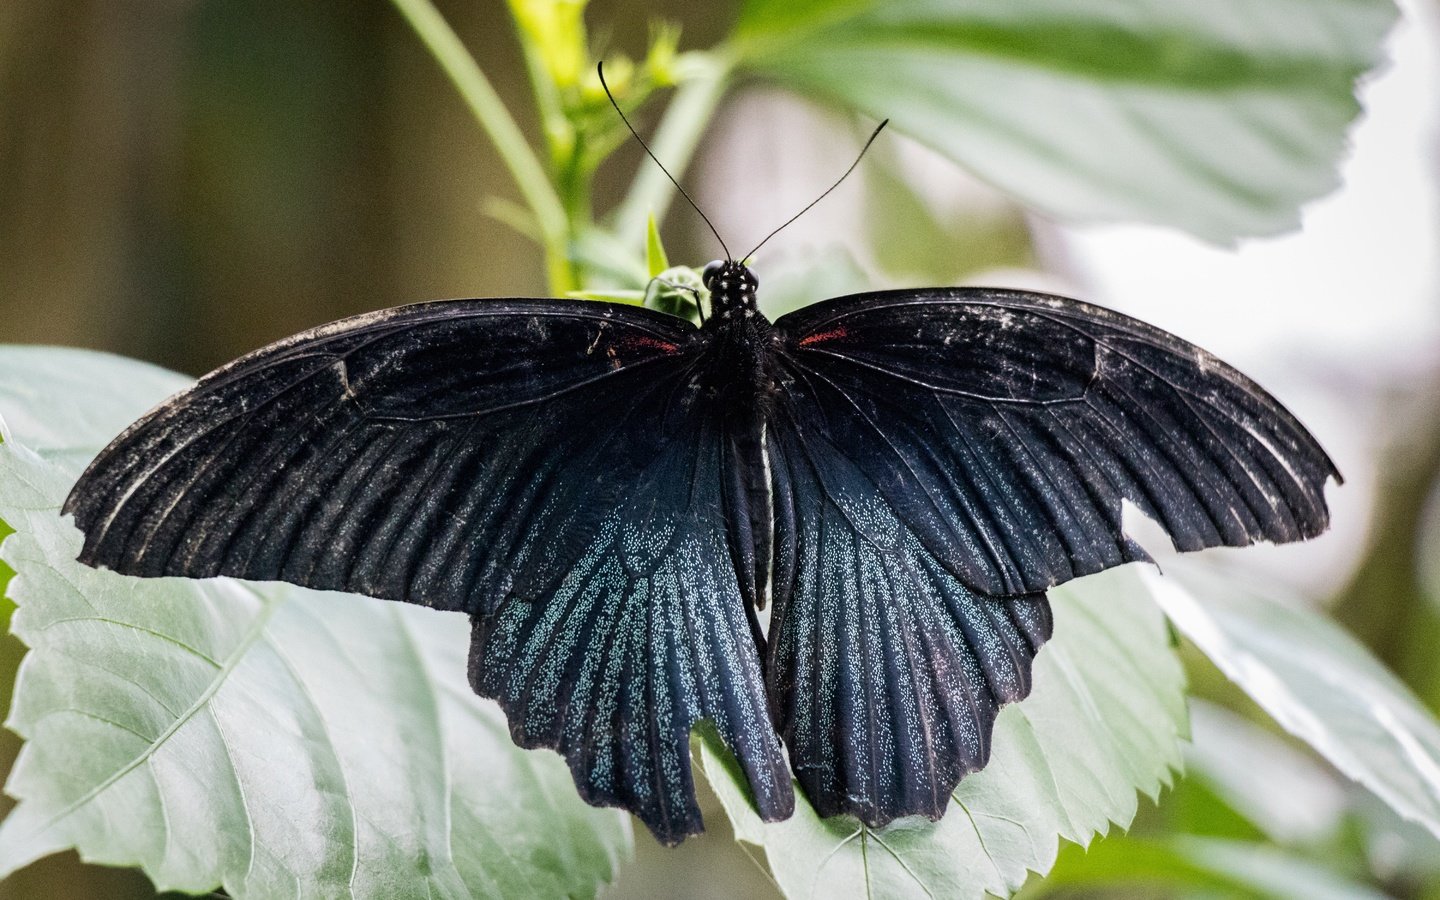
point(185, 180)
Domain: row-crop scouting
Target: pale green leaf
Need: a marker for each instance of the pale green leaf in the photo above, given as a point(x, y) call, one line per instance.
point(1212, 867)
point(66, 404)
point(655, 259)
point(1286, 793)
point(264, 739)
point(1316, 680)
point(1270, 872)
point(1103, 723)
point(1219, 118)
point(612, 295)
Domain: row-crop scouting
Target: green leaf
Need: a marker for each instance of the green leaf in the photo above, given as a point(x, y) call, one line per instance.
point(1224, 868)
point(1285, 792)
point(678, 291)
point(1219, 118)
point(66, 404)
point(48, 400)
point(264, 739)
point(612, 295)
point(608, 260)
point(7, 606)
point(1270, 872)
point(1104, 721)
point(655, 259)
point(1318, 682)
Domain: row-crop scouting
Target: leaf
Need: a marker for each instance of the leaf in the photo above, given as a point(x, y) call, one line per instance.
point(613, 295)
point(678, 291)
point(1270, 872)
point(1104, 721)
point(264, 739)
point(1219, 118)
point(7, 606)
point(1289, 795)
point(1217, 867)
point(48, 399)
point(655, 259)
point(917, 242)
point(66, 404)
point(1317, 681)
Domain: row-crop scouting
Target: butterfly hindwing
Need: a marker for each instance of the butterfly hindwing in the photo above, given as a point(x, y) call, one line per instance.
point(885, 672)
point(1007, 427)
point(647, 635)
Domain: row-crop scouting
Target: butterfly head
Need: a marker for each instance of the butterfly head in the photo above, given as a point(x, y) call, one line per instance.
point(732, 288)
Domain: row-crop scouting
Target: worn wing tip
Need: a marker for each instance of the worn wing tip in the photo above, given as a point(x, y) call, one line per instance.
point(90, 553)
point(918, 800)
point(669, 827)
point(767, 785)
point(779, 808)
point(93, 560)
point(917, 817)
point(773, 805)
point(671, 813)
point(670, 837)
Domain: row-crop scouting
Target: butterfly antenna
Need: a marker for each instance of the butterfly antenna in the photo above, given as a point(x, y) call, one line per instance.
point(600, 70)
point(873, 135)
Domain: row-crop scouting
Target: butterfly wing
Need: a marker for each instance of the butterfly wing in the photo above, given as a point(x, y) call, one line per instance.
point(941, 458)
point(648, 634)
point(885, 672)
point(379, 455)
point(518, 460)
point(1006, 427)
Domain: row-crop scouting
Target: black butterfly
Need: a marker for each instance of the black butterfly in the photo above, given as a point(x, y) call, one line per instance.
point(610, 493)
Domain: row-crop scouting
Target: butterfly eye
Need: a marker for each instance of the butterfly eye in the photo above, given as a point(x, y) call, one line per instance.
point(752, 279)
point(711, 270)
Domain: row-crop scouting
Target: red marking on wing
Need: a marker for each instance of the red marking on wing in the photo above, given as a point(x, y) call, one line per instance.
point(833, 334)
point(650, 343)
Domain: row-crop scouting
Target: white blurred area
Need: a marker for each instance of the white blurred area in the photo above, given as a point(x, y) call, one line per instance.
point(1358, 285)
point(1340, 319)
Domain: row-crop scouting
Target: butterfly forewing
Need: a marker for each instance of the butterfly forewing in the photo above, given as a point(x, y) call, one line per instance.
point(405, 455)
point(1007, 427)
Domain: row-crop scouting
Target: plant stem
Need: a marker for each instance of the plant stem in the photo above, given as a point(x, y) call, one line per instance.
point(675, 141)
point(530, 176)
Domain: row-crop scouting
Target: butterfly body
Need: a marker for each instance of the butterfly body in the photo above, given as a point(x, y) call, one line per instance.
point(611, 494)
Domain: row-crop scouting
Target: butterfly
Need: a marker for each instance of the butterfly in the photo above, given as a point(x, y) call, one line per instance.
point(612, 494)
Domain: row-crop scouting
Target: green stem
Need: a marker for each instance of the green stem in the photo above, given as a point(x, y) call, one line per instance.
point(675, 141)
point(494, 118)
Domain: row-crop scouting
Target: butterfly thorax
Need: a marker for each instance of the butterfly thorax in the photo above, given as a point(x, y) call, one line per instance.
point(741, 337)
point(732, 292)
